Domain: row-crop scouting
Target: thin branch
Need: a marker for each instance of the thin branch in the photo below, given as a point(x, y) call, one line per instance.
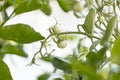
point(8, 18)
point(62, 33)
point(72, 32)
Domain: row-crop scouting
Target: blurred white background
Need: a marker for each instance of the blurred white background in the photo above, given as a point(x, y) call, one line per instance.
point(40, 22)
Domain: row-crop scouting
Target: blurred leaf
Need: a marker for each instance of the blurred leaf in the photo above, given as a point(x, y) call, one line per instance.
point(86, 70)
point(46, 7)
point(66, 5)
point(91, 57)
point(116, 76)
point(62, 64)
point(67, 76)
point(1, 43)
point(89, 3)
point(47, 59)
point(13, 49)
point(15, 2)
point(95, 59)
point(88, 25)
point(44, 76)
point(20, 33)
point(57, 79)
point(4, 15)
point(6, 5)
point(115, 52)
point(28, 5)
point(4, 71)
point(108, 33)
point(104, 72)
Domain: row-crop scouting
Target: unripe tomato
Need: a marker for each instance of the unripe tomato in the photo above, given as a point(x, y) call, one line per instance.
point(77, 7)
point(61, 44)
point(101, 19)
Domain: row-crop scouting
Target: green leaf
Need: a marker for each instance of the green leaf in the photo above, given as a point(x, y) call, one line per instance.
point(28, 5)
point(4, 15)
point(13, 49)
point(58, 79)
point(95, 59)
point(4, 71)
point(66, 5)
point(108, 33)
point(115, 76)
point(20, 33)
point(44, 76)
point(46, 7)
point(47, 59)
point(86, 70)
point(62, 64)
point(15, 2)
point(88, 25)
point(115, 52)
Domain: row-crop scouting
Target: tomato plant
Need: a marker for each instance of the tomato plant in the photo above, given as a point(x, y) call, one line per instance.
point(100, 27)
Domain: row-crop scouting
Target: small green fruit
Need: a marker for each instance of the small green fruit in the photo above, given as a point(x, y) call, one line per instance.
point(78, 7)
point(61, 44)
point(101, 19)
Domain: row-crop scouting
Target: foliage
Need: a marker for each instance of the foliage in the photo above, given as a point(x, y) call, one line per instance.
point(4, 71)
point(86, 63)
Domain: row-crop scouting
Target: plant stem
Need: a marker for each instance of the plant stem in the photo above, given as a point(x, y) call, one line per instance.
point(72, 32)
point(8, 18)
point(62, 33)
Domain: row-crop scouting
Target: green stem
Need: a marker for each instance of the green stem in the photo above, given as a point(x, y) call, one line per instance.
point(8, 18)
point(97, 26)
point(62, 33)
point(72, 32)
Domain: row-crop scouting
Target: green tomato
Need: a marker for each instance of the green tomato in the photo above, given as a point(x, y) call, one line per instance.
point(101, 19)
point(61, 44)
point(77, 7)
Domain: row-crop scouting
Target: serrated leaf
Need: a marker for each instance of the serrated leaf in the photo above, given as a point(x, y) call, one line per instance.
point(66, 5)
point(63, 64)
point(4, 71)
point(108, 33)
point(20, 33)
point(88, 25)
point(115, 52)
